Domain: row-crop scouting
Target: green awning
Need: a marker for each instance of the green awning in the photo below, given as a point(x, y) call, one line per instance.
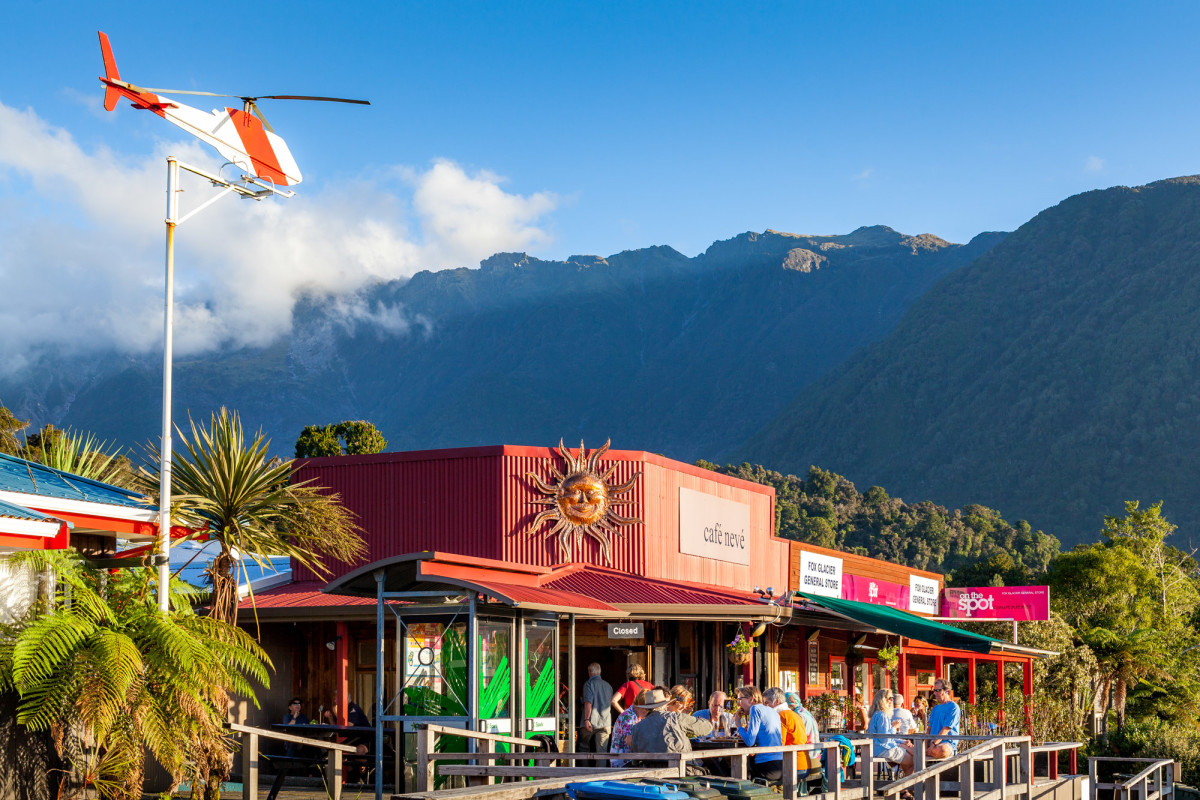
point(902, 623)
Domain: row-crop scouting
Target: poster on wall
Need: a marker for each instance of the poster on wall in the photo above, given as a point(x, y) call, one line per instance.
point(1021, 603)
point(820, 574)
point(922, 595)
point(872, 590)
point(713, 527)
point(814, 664)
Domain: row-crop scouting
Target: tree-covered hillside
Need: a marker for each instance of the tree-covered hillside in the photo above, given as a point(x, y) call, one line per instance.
point(1056, 376)
point(974, 544)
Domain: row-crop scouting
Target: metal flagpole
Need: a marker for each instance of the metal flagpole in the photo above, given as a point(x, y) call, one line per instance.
point(164, 473)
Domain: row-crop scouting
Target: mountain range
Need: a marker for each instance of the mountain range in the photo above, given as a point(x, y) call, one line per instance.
point(683, 356)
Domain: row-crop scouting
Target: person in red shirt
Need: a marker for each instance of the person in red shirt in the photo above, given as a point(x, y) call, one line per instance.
point(623, 697)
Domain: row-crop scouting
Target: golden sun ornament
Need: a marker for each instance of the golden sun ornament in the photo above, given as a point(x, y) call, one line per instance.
point(582, 500)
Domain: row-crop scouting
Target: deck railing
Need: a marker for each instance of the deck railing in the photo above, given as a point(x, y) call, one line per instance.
point(250, 756)
point(1156, 781)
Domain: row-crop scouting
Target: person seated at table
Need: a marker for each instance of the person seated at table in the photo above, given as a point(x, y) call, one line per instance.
point(763, 729)
point(663, 730)
point(944, 720)
point(920, 712)
point(295, 716)
point(902, 715)
point(721, 720)
point(885, 746)
point(793, 726)
point(357, 717)
point(622, 728)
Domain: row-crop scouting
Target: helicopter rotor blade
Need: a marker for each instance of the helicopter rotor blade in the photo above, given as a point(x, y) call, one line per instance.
point(310, 97)
point(189, 91)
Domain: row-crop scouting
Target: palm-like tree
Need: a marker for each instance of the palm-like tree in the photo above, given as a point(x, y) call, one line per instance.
point(1124, 659)
point(232, 492)
point(78, 453)
point(111, 677)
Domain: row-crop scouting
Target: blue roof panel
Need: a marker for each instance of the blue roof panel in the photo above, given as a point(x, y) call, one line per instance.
point(13, 511)
point(29, 477)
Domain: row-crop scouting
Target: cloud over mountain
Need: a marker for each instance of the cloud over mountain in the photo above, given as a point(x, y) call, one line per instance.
point(82, 239)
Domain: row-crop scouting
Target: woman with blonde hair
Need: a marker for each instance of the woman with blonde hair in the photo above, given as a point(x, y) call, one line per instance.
point(681, 699)
point(886, 745)
point(623, 697)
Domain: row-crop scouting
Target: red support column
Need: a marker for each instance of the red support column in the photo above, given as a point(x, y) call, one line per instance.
point(342, 656)
point(1000, 689)
point(902, 677)
point(1027, 688)
point(970, 680)
point(939, 670)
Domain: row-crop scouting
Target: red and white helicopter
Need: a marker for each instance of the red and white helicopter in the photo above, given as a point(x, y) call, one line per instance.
point(242, 136)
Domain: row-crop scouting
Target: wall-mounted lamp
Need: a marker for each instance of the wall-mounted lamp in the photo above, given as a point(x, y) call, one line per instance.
point(758, 630)
point(813, 635)
point(332, 643)
point(862, 638)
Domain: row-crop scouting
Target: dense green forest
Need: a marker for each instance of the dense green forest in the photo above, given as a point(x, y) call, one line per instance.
point(1055, 376)
point(1125, 609)
point(974, 545)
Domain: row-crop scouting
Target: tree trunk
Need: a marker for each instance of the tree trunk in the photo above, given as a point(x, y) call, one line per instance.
point(1120, 690)
point(215, 762)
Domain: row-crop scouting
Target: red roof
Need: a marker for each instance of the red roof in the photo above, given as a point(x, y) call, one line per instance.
point(619, 588)
point(575, 586)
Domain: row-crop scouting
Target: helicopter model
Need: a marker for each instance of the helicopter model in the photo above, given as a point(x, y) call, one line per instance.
point(242, 136)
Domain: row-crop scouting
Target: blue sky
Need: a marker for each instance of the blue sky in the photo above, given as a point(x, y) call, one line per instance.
point(563, 128)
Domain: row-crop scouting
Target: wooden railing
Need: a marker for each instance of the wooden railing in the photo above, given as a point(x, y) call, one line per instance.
point(1008, 772)
point(1155, 782)
point(250, 756)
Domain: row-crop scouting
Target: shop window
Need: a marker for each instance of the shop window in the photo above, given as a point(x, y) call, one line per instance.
point(837, 675)
point(925, 679)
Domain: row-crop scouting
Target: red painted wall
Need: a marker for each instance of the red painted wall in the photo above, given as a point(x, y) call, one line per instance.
point(478, 502)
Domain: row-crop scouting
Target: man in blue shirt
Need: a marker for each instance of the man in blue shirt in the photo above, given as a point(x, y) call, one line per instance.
point(944, 719)
point(763, 729)
point(596, 728)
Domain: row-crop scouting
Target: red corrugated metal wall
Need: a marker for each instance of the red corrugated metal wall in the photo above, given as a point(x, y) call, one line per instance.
point(407, 502)
point(479, 502)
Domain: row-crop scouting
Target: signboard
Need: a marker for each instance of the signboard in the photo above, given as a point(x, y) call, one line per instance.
point(922, 595)
point(820, 574)
point(713, 527)
point(1022, 603)
point(871, 590)
point(626, 630)
point(814, 664)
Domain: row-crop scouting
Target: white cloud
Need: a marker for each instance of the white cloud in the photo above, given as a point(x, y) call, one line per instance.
point(866, 173)
point(81, 244)
point(1093, 164)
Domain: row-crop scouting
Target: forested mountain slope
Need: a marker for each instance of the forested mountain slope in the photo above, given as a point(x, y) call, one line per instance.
point(1054, 377)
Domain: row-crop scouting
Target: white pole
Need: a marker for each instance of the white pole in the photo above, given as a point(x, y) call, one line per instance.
point(164, 475)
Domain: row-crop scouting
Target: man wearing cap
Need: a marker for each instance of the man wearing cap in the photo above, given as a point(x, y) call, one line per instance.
point(662, 731)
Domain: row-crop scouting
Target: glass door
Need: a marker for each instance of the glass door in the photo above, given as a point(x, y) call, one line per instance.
point(495, 676)
point(540, 677)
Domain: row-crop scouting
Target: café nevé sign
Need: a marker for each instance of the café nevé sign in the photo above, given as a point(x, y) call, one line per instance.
point(713, 527)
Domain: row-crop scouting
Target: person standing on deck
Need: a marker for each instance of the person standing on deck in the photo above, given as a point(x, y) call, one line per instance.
point(623, 698)
point(596, 729)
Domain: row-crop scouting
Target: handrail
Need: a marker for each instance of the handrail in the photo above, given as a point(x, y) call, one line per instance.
point(949, 763)
point(1153, 775)
point(250, 737)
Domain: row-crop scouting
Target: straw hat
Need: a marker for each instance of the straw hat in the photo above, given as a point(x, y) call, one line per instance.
point(655, 698)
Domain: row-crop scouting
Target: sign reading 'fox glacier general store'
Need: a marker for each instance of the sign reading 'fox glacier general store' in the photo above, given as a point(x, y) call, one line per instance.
point(820, 574)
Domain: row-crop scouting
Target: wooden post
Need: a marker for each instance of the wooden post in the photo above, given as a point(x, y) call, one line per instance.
point(485, 747)
point(971, 680)
point(918, 765)
point(1027, 688)
point(333, 774)
point(249, 766)
point(966, 778)
point(1026, 767)
point(738, 767)
point(571, 666)
point(999, 768)
point(789, 775)
point(425, 765)
point(868, 779)
point(1000, 692)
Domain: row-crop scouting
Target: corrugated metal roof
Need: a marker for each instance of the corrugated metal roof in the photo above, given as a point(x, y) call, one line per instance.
point(618, 588)
point(28, 477)
point(303, 594)
point(13, 511)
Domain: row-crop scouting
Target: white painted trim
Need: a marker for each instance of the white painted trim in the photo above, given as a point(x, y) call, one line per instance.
point(40, 502)
point(45, 529)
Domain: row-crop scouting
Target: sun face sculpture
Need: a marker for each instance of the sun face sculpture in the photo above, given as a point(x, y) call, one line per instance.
point(582, 500)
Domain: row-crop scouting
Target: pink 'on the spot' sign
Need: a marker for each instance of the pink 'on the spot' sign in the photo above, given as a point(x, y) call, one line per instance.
point(1022, 603)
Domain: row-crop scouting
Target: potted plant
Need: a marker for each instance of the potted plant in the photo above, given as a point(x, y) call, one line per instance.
point(889, 656)
point(740, 650)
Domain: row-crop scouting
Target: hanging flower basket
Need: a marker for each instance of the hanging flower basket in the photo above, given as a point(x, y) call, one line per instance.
point(740, 658)
point(740, 650)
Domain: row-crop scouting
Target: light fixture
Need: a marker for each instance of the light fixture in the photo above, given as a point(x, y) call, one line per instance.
point(813, 635)
point(332, 643)
point(758, 630)
point(862, 638)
